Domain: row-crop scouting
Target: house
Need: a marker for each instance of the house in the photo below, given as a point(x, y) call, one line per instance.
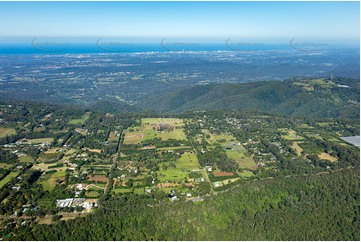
point(79, 186)
point(62, 203)
point(216, 184)
point(90, 203)
point(208, 168)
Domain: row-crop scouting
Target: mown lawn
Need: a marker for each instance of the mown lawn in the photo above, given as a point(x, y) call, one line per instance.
point(80, 120)
point(8, 178)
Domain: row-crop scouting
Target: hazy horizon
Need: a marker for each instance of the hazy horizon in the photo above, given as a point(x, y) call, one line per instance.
point(252, 21)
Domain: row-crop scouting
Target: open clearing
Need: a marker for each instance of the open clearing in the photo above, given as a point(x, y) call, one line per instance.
point(291, 134)
point(122, 190)
point(171, 121)
point(92, 194)
point(148, 130)
point(217, 138)
point(325, 156)
point(113, 136)
point(8, 178)
point(45, 167)
point(95, 150)
point(222, 173)
point(51, 151)
point(247, 163)
point(133, 137)
point(98, 178)
point(246, 174)
point(174, 148)
point(188, 161)
point(305, 126)
point(6, 132)
point(39, 141)
point(171, 174)
point(297, 148)
point(25, 159)
point(5, 165)
point(236, 155)
point(50, 183)
point(81, 120)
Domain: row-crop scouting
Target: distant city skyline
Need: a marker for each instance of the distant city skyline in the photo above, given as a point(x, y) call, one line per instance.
point(272, 21)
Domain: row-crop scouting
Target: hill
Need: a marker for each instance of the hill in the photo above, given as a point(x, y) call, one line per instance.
point(318, 98)
point(113, 107)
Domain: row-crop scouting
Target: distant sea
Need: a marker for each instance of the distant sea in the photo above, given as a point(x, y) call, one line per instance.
point(47, 47)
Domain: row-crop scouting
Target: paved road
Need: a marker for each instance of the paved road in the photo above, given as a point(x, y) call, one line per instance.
point(114, 165)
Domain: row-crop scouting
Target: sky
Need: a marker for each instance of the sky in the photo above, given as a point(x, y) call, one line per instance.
point(339, 21)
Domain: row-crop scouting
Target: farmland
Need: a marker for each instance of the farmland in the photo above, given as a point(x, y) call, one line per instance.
point(150, 128)
point(172, 159)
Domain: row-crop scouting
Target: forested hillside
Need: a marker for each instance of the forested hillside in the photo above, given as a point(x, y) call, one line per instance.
point(317, 207)
point(313, 98)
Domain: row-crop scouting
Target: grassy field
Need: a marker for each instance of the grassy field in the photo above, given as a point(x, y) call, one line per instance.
point(135, 135)
point(50, 183)
point(324, 124)
point(80, 120)
point(248, 163)
point(305, 126)
point(235, 154)
point(26, 159)
point(246, 174)
point(51, 151)
point(6, 131)
point(188, 161)
point(113, 136)
point(41, 140)
point(122, 190)
point(212, 138)
point(171, 174)
point(177, 134)
point(92, 194)
point(316, 136)
point(68, 216)
point(227, 181)
point(227, 137)
point(45, 167)
point(297, 148)
point(333, 139)
point(69, 154)
point(174, 148)
point(8, 178)
point(46, 220)
point(5, 165)
point(184, 165)
point(291, 134)
point(171, 121)
point(325, 156)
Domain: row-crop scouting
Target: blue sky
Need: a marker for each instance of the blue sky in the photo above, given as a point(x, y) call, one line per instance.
point(337, 21)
